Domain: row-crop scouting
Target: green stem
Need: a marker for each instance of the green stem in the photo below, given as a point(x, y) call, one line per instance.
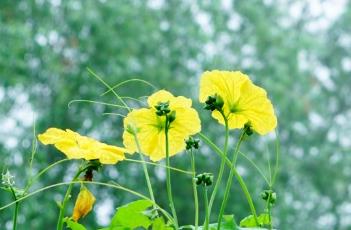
point(168, 178)
point(65, 200)
point(196, 199)
point(32, 180)
point(207, 214)
point(221, 167)
point(16, 209)
point(237, 175)
point(269, 210)
point(229, 182)
point(146, 172)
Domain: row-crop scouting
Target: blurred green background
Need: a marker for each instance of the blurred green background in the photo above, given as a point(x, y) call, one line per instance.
point(299, 51)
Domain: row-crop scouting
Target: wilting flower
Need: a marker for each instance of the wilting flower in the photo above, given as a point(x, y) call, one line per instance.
point(75, 146)
point(84, 203)
point(150, 127)
point(244, 102)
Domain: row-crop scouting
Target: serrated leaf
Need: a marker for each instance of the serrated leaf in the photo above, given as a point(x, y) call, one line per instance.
point(73, 225)
point(132, 216)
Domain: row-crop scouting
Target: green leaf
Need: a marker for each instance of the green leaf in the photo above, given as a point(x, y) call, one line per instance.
point(228, 223)
point(249, 221)
point(263, 219)
point(159, 224)
point(73, 225)
point(132, 215)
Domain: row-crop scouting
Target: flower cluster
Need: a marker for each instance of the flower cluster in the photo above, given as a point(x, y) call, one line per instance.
point(165, 128)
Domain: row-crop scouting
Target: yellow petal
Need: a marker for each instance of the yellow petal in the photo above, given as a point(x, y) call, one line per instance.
point(70, 149)
point(257, 108)
point(180, 102)
point(146, 122)
point(84, 204)
point(159, 96)
point(224, 83)
point(111, 154)
point(75, 146)
point(53, 135)
point(243, 101)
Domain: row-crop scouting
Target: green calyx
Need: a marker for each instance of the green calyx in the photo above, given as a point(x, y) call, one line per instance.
point(214, 102)
point(192, 143)
point(205, 179)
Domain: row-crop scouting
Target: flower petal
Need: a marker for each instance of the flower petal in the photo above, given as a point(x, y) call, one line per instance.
point(53, 135)
point(159, 96)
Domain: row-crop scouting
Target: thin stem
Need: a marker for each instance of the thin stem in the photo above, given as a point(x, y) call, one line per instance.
point(256, 167)
point(221, 167)
point(160, 165)
point(277, 156)
point(196, 199)
point(146, 172)
point(229, 182)
point(168, 178)
point(32, 180)
point(15, 214)
point(269, 211)
point(65, 200)
point(207, 214)
point(237, 175)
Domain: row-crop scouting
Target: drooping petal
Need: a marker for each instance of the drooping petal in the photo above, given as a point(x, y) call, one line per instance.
point(71, 149)
point(53, 135)
point(75, 146)
point(111, 154)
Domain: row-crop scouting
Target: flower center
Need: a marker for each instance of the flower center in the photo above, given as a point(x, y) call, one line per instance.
point(234, 108)
point(161, 122)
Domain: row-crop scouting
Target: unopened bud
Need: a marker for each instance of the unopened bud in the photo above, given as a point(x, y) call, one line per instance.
point(171, 116)
point(84, 203)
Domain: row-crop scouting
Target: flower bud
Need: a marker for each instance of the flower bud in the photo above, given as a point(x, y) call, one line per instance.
point(269, 194)
point(192, 143)
point(214, 102)
point(248, 129)
point(171, 116)
point(205, 179)
point(162, 108)
point(84, 203)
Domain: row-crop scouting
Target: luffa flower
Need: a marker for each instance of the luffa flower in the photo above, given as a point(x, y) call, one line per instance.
point(150, 127)
point(75, 146)
point(84, 203)
point(243, 102)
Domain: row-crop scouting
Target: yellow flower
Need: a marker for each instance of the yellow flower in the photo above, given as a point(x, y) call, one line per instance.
point(75, 146)
point(150, 127)
point(243, 101)
point(84, 204)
